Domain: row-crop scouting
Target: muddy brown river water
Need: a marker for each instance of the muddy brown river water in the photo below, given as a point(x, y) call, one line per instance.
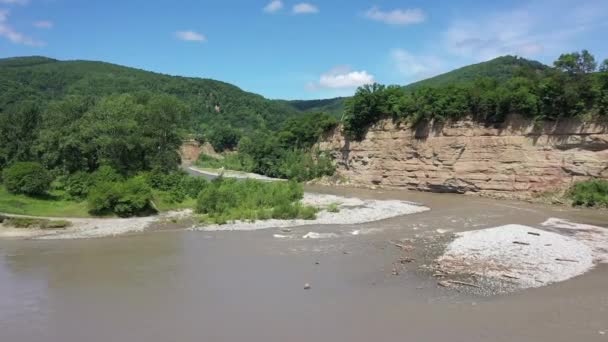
point(248, 286)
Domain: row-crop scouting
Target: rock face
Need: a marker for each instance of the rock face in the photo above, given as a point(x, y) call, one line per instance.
point(515, 159)
point(191, 150)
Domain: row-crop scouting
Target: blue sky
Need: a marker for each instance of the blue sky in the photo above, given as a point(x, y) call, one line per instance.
point(302, 49)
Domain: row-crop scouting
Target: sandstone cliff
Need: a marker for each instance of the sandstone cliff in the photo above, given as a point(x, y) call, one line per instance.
point(514, 159)
point(191, 150)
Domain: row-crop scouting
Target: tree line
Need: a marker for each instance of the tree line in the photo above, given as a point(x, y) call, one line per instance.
point(574, 87)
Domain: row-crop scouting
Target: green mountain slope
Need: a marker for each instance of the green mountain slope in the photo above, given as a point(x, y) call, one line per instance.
point(501, 69)
point(42, 80)
point(334, 106)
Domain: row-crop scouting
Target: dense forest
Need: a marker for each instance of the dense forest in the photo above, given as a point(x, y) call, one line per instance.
point(574, 87)
point(110, 135)
point(287, 153)
point(45, 102)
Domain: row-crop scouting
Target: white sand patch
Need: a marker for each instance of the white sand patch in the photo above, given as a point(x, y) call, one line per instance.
point(593, 236)
point(351, 211)
point(318, 200)
point(94, 228)
point(315, 235)
point(512, 254)
point(366, 231)
point(234, 174)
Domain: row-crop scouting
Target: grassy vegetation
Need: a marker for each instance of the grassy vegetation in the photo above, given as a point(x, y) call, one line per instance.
point(164, 202)
point(52, 205)
point(34, 223)
point(225, 200)
point(593, 193)
point(333, 208)
point(175, 191)
point(231, 161)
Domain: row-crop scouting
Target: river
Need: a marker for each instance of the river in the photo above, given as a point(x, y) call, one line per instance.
point(248, 286)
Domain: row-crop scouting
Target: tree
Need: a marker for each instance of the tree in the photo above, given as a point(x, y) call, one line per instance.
point(365, 108)
point(27, 178)
point(18, 126)
point(604, 66)
point(161, 121)
point(224, 138)
point(576, 63)
point(113, 135)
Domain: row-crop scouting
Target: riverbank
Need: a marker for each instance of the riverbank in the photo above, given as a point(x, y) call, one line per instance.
point(334, 210)
point(85, 228)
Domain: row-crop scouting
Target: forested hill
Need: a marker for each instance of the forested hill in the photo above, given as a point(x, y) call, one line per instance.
point(41, 80)
point(500, 69)
point(334, 106)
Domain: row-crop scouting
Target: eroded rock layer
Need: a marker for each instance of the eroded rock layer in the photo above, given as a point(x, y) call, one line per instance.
point(516, 159)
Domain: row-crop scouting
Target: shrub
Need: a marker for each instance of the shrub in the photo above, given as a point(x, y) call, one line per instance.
point(194, 185)
point(590, 193)
point(102, 199)
point(165, 181)
point(224, 200)
point(130, 198)
point(333, 208)
point(285, 211)
point(78, 185)
point(106, 174)
point(135, 198)
point(307, 212)
point(27, 178)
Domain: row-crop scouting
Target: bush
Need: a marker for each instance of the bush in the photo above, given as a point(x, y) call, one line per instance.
point(224, 200)
point(135, 198)
point(333, 208)
point(194, 185)
point(27, 178)
point(78, 185)
point(106, 174)
point(130, 198)
point(102, 199)
point(165, 181)
point(593, 193)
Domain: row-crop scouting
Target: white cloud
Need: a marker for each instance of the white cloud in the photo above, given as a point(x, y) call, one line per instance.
point(342, 77)
point(44, 24)
point(305, 8)
point(542, 28)
point(191, 36)
point(14, 2)
point(8, 32)
point(415, 67)
point(274, 6)
point(397, 16)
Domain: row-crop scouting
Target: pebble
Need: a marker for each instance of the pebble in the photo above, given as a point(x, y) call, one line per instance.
point(307, 286)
